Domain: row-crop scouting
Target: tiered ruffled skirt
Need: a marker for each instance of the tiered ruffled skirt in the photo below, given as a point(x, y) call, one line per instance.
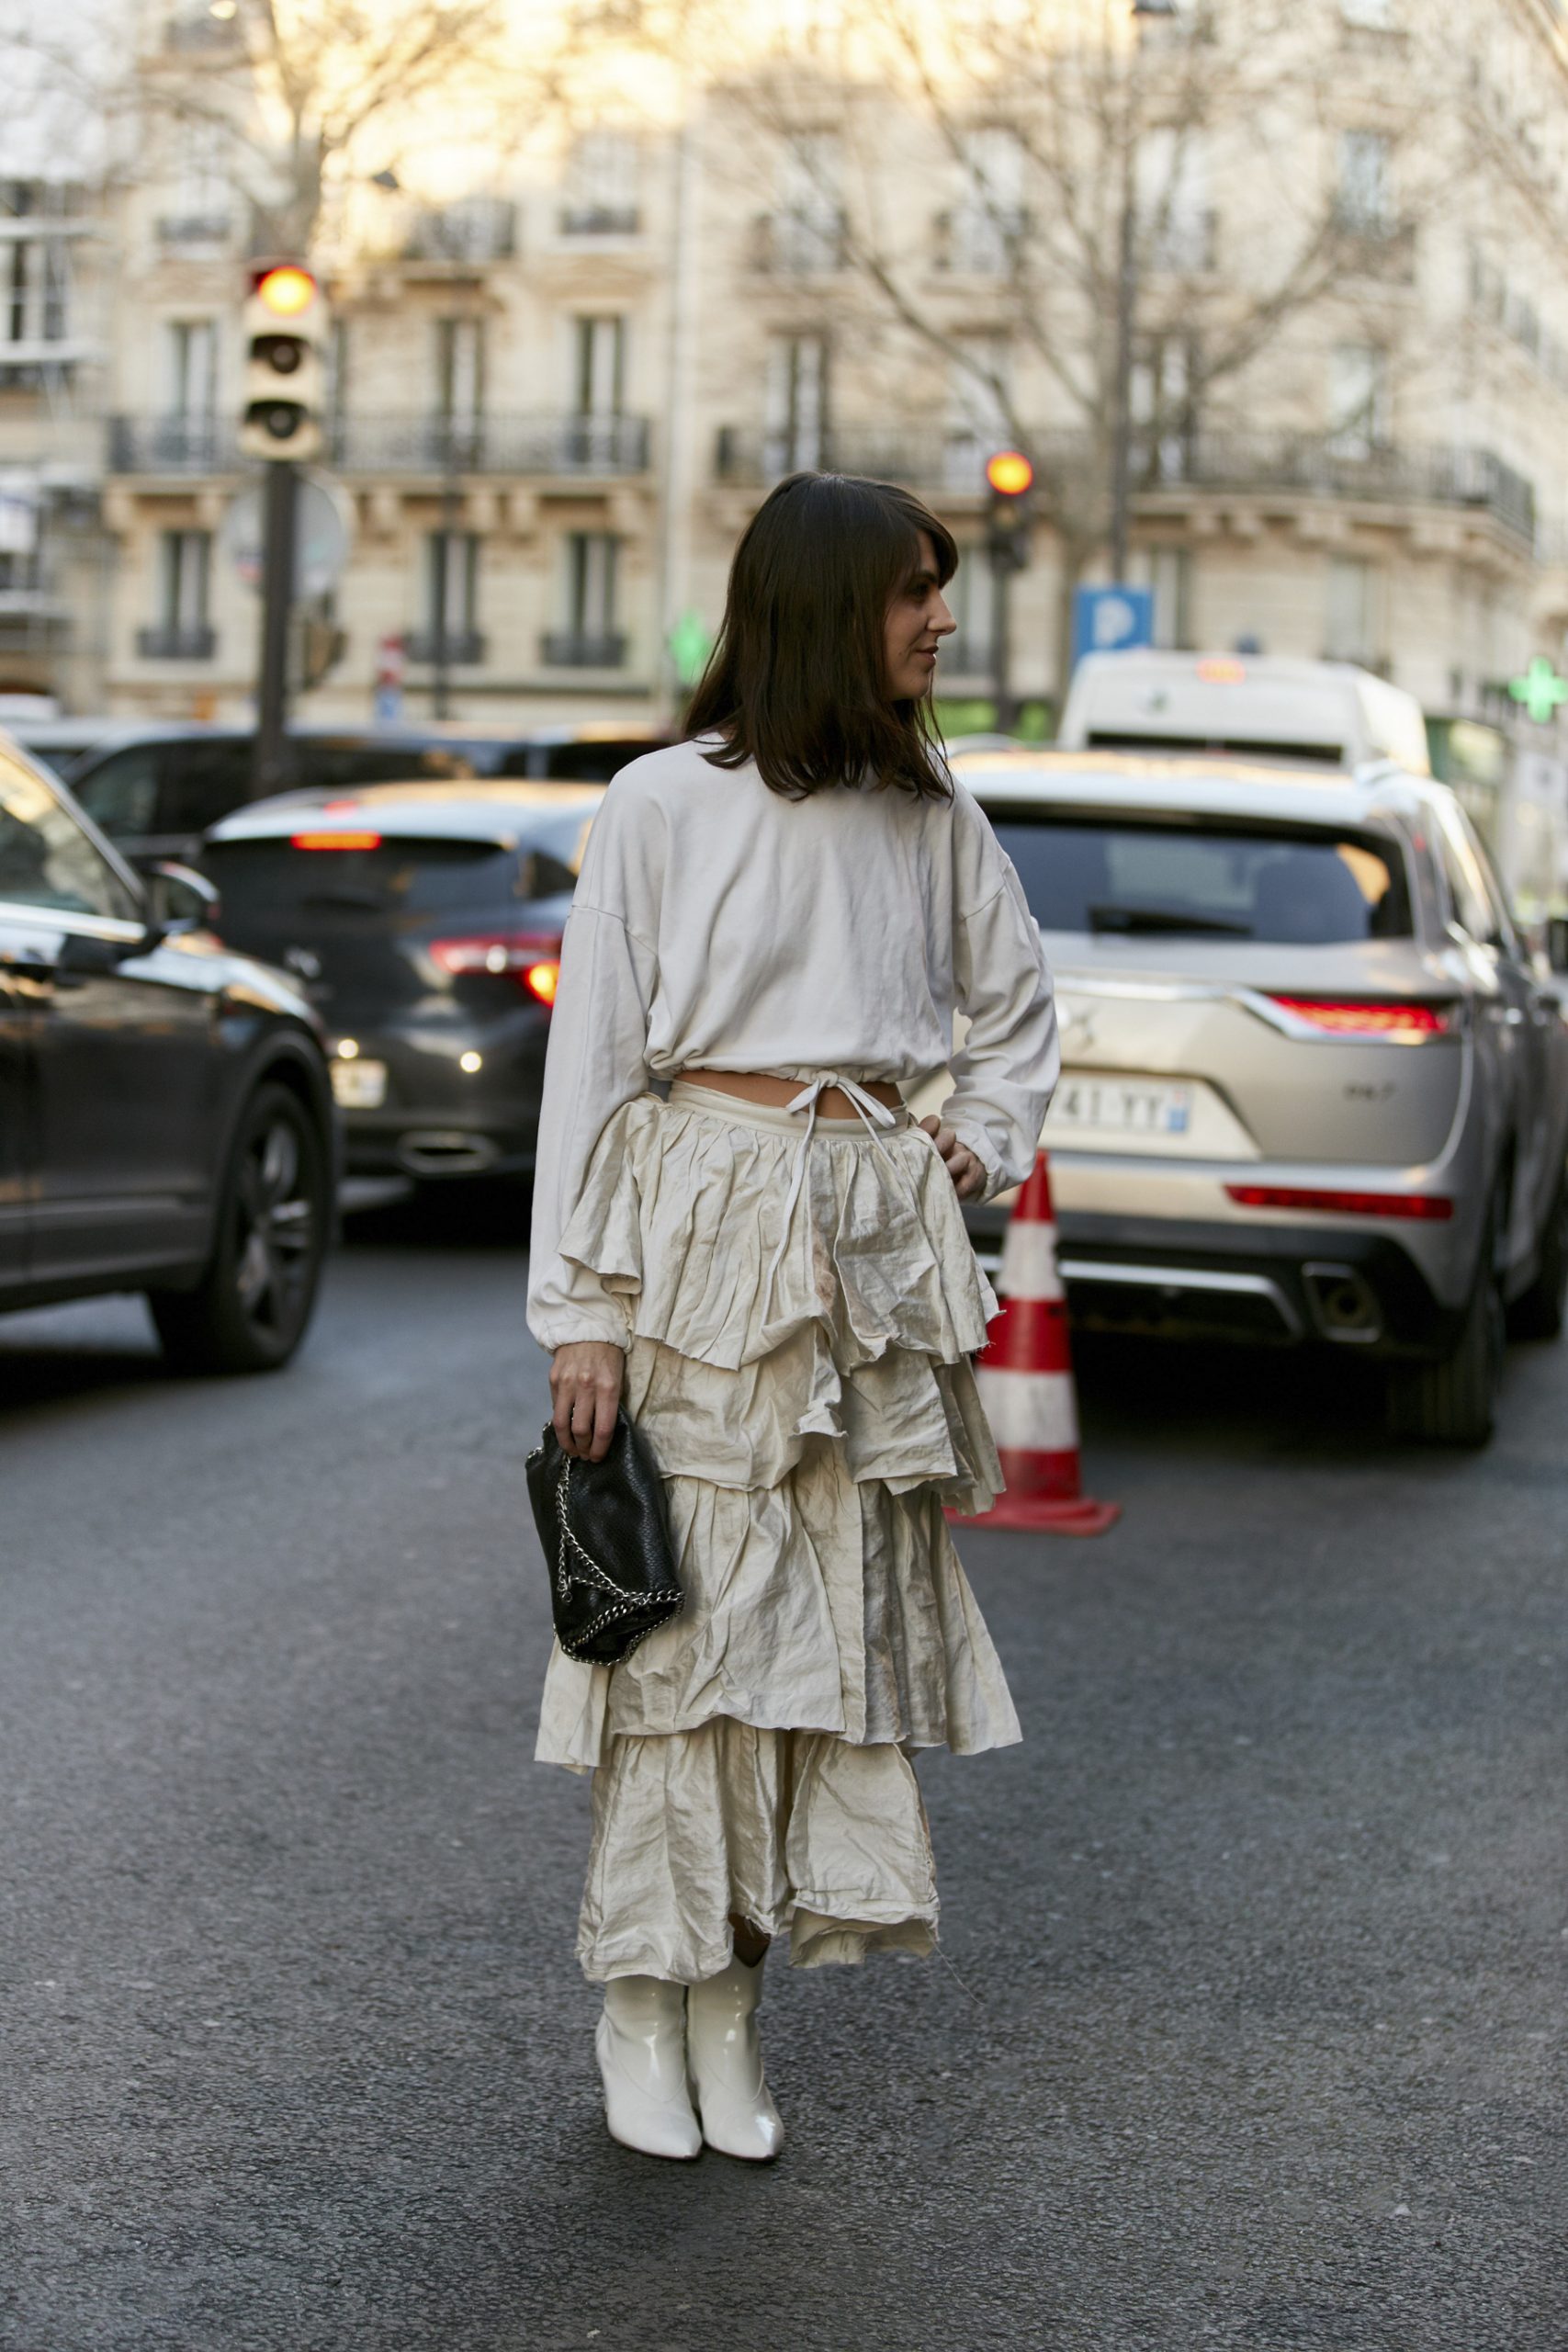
point(808, 1396)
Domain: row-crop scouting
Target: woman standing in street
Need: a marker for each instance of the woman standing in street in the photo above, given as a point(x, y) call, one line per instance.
point(777, 921)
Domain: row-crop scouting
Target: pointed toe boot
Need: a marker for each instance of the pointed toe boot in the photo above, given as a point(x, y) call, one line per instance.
point(724, 2050)
point(641, 2041)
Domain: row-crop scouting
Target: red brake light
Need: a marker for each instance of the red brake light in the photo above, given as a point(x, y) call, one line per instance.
point(531, 958)
point(1421, 1207)
point(1368, 1017)
point(337, 841)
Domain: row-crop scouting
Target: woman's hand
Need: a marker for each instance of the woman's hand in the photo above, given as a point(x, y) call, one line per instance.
point(968, 1173)
point(585, 1386)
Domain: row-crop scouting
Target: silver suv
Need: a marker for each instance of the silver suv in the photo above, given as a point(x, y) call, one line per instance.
point(1314, 1086)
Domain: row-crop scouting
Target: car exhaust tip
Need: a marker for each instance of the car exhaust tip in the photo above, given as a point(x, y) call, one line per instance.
point(1344, 1305)
point(446, 1152)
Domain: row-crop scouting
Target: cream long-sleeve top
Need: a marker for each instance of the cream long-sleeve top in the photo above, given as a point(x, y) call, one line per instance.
point(718, 925)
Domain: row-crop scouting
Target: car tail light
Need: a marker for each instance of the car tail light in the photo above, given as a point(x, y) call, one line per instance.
point(1429, 1208)
point(337, 841)
point(1368, 1017)
point(531, 958)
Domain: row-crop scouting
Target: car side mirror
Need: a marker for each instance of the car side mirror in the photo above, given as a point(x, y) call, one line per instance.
point(1557, 943)
point(180, 899)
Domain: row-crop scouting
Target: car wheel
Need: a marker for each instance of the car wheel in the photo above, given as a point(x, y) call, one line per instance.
point(250, 1309)
point(1454, 1400)
point(1538, 1313)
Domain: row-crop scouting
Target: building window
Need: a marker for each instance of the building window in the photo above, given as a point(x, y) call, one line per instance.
point(603, 184)
point(37, 293)
point(1168, 571)
point(1164, 371)
point(599, 359)
point(191, 369)
point(796, 403)
point(590, 640)
point(1351, 618)
point(1363, 204)
point(183, 631)
point(451, 631)
point(971, 599)
point(1358, 400)
point(985, 228)
point(978, 370)
point(1173, 199)
point(806, 228)
point(201, 206)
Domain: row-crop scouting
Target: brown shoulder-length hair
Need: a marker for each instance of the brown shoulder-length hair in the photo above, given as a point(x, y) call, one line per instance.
point(795, 679)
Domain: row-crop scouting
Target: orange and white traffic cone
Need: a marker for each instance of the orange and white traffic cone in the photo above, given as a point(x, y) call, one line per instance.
point(1025, 1376)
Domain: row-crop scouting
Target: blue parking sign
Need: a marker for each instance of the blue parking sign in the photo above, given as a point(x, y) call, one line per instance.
point(1111, 620)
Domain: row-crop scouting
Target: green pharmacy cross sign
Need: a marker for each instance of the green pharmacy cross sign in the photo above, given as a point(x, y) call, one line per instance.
point(1540, 690)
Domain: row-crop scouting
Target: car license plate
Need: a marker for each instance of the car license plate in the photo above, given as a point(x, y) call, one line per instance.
point(360, 1086)
point(1121, 1106)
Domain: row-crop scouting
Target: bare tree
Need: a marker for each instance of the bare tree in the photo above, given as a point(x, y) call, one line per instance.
point(1145, 202)
point(307, 97)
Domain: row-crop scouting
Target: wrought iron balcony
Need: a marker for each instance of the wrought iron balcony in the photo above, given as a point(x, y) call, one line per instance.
point(1375, 246)
point(177, 641)
point(806, 242)
point(570, 649)
point(1311, 464)
point(181, 229)
point(435, 445)
point(172, 444)
point(464, 648)
point(476, 229)
point(600, 220)
point(979, 240)
point(491, 445)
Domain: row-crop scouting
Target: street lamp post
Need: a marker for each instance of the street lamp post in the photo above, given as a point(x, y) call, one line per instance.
point(1126, 303)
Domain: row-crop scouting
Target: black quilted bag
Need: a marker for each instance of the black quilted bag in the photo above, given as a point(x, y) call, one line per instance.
point(606, 1544)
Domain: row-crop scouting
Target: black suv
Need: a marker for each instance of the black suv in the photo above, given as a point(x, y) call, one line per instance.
point(155, 790)
point(167, 1120)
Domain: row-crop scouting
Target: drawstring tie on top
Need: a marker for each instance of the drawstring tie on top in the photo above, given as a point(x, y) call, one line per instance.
point(874, 1116)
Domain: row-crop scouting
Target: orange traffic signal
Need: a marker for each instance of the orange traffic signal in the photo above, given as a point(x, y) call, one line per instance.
point(1009, 473)
point(286, 290)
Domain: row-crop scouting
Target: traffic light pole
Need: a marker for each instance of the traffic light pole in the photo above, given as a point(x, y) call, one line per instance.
point(273, 768)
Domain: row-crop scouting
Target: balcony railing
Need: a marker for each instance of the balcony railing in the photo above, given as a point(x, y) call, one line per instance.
point(1375, 247)
point(476, 229)
point(803, 244)
point(978, 239)
point(599, 220)
point(172, 444)
point(1311, 464)
point(548, 445)
point(464, 648)
point(172, 641)
point(182, 229)
point(570, 649)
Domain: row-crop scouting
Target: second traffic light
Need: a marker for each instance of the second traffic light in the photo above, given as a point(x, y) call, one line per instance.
point(1009, 478)
point(285, 326)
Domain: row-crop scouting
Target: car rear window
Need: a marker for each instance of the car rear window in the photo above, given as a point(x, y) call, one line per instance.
point(1305, 886)
point(589, 762)
point(260, 878)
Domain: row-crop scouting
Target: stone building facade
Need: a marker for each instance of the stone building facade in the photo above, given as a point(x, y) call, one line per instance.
point(559, 387)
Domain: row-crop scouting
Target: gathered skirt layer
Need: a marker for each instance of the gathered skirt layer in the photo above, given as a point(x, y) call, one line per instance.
point(800, 1315)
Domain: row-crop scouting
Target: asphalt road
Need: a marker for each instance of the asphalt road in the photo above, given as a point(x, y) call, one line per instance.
point(1253, 2034)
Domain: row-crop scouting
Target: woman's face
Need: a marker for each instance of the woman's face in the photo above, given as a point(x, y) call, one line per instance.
point(917, 619)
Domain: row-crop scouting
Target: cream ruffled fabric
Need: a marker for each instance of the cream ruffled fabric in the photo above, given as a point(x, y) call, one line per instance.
point(807, 1397)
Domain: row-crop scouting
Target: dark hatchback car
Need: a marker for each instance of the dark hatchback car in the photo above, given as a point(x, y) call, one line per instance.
point(424, 924)
point(166, 1122)
point(155, 791)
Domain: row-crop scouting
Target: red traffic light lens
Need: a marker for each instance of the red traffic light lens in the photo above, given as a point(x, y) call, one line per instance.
point(1009, 473)
point(287, 290)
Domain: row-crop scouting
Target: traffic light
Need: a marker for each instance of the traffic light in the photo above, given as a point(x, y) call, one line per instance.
point(285, 324)
point(1009, 477)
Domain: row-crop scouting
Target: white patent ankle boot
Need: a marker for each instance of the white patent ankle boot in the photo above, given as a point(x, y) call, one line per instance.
point(724, 2050)
point(641, 2041)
